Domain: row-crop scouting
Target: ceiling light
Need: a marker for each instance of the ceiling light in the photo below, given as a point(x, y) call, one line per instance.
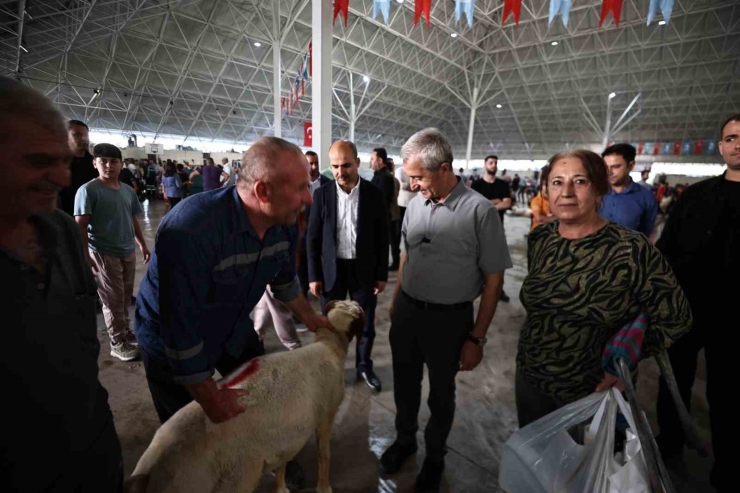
point(661, 23)
point(399, 1)
point(24, 48)
point(454, 35)
point(554, 43)
point(612, 95)
point(366, 79)
point(257, 44)
point(499, 106)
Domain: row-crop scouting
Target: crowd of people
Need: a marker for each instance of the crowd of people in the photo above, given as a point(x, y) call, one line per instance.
point(255, 247)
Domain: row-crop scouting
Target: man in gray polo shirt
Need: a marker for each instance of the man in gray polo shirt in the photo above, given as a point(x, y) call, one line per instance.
point(455, 249)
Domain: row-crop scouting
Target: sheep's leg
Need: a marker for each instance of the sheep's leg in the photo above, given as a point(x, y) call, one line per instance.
point(323, 435)
point(280, 478)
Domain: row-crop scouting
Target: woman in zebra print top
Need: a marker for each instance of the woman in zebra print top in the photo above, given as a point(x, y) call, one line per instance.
point(587, 278)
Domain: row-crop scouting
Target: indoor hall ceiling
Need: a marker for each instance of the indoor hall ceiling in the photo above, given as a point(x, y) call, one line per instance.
point(192, 68)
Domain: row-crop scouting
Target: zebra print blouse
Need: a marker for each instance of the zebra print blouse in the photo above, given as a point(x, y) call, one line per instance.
point(578, 293)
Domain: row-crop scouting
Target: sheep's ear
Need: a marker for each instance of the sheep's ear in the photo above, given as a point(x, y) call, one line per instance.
point(329, 306)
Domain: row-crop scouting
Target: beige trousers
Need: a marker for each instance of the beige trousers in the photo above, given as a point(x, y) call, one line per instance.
point(115, 279)
point(271, 311)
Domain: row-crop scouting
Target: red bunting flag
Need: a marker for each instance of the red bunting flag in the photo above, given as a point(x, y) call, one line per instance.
point(613, 6)
point(424, 6)
point(699, 146)
point(677, 148)
point(343, 7)
point(513, 7)
point(640, 148)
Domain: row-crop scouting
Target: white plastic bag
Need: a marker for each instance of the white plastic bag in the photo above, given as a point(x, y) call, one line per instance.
point(543, 458)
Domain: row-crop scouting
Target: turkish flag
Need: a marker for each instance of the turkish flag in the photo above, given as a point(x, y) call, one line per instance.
point(677, 148)
point(307, 134)
point(640, 148)
point(699, 146)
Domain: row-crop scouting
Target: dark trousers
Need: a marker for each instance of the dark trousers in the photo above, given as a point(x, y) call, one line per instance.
point(433, 337)
point(348, 283)
point(395, 239)
point(168, 396)
point(99, 469)
point(531, 403)
point(303, 269)
point(683, 355)
point(174, 201)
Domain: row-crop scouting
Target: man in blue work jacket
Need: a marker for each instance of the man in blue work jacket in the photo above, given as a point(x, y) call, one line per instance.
point(214, 256)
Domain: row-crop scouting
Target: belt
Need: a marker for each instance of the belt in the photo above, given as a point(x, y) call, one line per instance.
point(425, 305)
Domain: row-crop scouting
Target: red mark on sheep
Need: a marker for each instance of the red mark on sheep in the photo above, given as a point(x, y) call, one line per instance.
point(247, 372)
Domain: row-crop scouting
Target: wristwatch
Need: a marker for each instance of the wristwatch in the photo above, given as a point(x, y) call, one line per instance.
point(480, 342)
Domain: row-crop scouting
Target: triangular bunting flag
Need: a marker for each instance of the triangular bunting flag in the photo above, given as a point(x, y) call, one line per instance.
point(384, 7)
point(310, 58)
point(613, 6)
point(343, 7)
point(513, 7)
point(562, 6)
point(424, 6)
point(666, 7)
point(464, 7)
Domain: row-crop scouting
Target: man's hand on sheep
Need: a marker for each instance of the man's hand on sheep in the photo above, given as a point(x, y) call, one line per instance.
point(219, 404)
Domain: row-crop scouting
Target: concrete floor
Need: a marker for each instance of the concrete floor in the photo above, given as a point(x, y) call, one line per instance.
point(485, 418)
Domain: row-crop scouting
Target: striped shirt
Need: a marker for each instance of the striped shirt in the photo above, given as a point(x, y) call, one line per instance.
point(207, 272)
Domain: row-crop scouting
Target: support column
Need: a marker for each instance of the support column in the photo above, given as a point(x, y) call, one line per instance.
point(608, 127)
point(352, 110)
point(471, 127)
point(277, 70)
point(21, 19)
point(321, 20)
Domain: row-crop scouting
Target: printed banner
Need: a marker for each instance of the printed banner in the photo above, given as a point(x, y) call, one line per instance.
point(513, 7)
point(562, 6)
point(384, 7)
point(343, 7)
point(464, 7)
point(613, 6)
point(666, 7)
point(307, 134)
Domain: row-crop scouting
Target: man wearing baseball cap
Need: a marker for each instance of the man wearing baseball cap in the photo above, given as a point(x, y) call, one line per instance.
point(105, 211)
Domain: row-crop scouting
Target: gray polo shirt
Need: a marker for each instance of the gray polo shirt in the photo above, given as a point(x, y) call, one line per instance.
point(451, 246)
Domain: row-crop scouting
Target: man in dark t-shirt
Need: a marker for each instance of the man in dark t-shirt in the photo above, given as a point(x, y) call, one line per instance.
point(81, 167)
point(497, 191)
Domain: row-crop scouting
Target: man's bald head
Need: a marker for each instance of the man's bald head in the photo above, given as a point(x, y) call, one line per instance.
point(274, 173)
point(344, 146)
point(344, 163)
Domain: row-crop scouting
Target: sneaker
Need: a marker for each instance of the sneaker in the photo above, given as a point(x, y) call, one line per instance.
point(395, 456)
point(429, 479)
point(124, 351)
point(131, 339)
point(504, 297)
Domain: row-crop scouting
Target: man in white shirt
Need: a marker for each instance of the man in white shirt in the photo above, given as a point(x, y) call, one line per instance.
point(347, 242)
point(227, 169)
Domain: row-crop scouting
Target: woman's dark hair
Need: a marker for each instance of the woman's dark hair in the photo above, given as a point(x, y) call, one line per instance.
point(180, 167)
point(544, 175)
point(169, 169)
point(592, 163)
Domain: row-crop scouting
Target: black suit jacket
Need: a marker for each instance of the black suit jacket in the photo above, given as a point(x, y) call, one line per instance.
point(383, 179)
point(372, 236)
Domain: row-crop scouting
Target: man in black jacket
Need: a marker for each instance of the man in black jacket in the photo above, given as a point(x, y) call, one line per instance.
point(383, 178)
point(347, 243)
point(701, 241)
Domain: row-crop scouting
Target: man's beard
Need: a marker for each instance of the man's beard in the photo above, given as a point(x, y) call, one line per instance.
point(492, 173)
